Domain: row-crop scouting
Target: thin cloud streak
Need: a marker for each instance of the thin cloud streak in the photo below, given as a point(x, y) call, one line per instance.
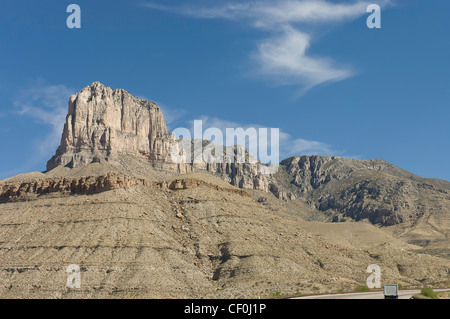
point(47, 105)
point(266, 14)
point(283, 56)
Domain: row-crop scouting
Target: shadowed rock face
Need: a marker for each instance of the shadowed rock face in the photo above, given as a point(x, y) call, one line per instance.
point(17, 191)
point(28, 190)
point(102, 123)
point(365, 189)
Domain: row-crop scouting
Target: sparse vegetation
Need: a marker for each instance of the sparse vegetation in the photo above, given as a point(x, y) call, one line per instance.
point(316, 288)
point(429, 292)
point(276, 294)
point(362, 288)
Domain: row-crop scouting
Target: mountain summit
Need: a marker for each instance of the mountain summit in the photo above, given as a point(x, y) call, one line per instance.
point(105, 126)
point(103, 123)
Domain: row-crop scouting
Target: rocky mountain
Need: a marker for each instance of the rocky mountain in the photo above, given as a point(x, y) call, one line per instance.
point(359, 189)
point(187, 236)
point(140, 225)
point(373, 191)
point(104, 125)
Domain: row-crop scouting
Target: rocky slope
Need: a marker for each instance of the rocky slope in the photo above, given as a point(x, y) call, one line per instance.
point(198, 237)
point(358, 189)
point(140, 225)
point(104, 125)
point(346, 190)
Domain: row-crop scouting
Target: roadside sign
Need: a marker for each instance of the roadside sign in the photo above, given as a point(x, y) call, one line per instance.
point(390, 291)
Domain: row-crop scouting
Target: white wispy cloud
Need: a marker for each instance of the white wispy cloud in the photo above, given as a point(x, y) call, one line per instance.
point(171, 116)
point(283, 56)
point(44, 104)
point(266, 14)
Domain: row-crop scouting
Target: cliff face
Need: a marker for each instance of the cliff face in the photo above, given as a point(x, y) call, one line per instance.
point(102, 123)
point(17, 191)
point(31, 189)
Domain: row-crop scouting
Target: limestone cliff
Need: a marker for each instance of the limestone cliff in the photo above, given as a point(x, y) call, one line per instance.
point(102, 123)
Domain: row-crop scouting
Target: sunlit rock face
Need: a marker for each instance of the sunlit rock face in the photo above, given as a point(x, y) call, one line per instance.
point(102, 123)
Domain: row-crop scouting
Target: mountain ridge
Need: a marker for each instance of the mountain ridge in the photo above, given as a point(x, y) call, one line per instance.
point(103, 124)
point(140, 226)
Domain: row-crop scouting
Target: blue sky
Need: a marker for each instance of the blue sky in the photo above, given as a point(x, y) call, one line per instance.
point(311, 68)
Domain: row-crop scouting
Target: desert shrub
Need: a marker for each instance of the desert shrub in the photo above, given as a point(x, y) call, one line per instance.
point(429, 292)
point(277, 294)
point(362, 288)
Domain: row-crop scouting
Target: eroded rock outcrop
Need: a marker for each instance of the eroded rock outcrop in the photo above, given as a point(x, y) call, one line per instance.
point(16, 191)
point(373, 190)
point(102, 123)
point(181, 184)
point(30, 189)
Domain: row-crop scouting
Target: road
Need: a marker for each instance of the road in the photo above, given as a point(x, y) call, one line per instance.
point(402, 294)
